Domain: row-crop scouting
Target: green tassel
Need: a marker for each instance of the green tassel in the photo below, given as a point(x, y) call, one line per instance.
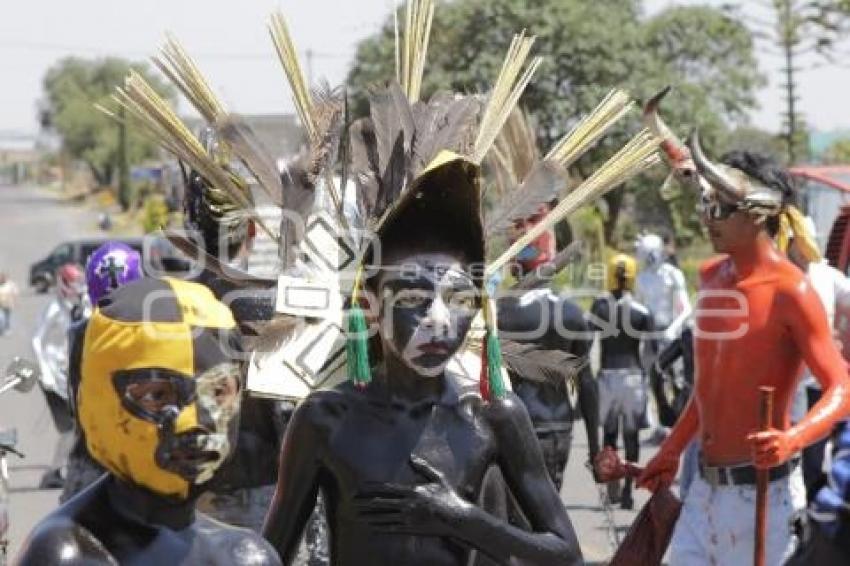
point(357, 348)
point(494, 366)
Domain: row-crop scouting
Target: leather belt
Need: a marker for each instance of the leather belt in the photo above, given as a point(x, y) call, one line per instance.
point(742, 475)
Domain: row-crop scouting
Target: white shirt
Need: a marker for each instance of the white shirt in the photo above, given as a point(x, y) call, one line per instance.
point(662, 289)
point(833, 289)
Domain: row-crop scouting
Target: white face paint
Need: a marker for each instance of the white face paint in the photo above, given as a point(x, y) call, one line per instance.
point(427, 308)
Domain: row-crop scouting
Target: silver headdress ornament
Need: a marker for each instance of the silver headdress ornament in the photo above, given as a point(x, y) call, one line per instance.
point(733, 187)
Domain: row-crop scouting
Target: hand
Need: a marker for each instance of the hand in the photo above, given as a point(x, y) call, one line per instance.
point(772, 447)
point(607, 466)
point(432, 509)
point(659, 472)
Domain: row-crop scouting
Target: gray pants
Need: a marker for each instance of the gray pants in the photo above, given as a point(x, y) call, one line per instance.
point(622, 393)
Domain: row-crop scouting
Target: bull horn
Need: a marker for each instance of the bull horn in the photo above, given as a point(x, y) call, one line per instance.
point(673, 148)
point(712, 173)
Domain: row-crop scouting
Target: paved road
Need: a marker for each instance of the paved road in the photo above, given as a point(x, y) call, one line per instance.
point(32, 222)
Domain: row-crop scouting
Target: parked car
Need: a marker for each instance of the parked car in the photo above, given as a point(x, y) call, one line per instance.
point(157, 254)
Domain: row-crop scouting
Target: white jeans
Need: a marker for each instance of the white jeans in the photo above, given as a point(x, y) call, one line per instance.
point(717, 525)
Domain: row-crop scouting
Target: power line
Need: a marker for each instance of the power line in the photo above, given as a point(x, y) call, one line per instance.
point(42, 46)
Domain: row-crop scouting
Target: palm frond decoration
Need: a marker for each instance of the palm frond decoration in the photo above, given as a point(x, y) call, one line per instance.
point(513, 77)
point(180, 68)
point(636, 156)
point(320, 131)
point(591, 127)
point(235, 134)
point(411, 54)
point(155, 117)
point(288, 56)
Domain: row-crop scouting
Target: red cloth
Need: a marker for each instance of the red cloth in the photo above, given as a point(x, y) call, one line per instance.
point(650, 533)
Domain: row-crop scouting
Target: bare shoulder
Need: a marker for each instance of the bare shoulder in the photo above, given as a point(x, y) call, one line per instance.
point(508, 412)
point(320, 404)
point(711, 268)
point(62, 541)
point(239, 546)
point(795, 292)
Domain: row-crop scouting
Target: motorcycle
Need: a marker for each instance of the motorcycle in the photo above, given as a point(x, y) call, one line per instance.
point(20, 375)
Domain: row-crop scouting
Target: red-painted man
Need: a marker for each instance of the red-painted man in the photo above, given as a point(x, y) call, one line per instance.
point(758, 320)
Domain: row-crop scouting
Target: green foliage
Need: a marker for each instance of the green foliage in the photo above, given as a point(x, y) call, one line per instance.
point(754, 139)
point(154, 214)
point(838, 153)
point(72, 87)
point(590, 47)
point(798, 28)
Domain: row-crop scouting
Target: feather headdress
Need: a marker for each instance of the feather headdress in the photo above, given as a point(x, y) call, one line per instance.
point(372, 174)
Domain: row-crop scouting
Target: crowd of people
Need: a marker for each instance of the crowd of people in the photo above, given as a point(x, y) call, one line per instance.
point(402, 450)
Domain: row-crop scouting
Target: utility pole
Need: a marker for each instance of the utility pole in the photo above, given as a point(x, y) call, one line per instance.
point(123, 168)
point(788, 39)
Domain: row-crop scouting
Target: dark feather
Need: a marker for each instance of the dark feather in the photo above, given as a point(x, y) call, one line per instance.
point(345, 147)
point(530, 362)
point(392, 121)
point(393, 179)
point(541, 185)
point(272, 334)
point(246, 145)
point(444, 123)
point(327, 114)
point(364, 166)
point(239, 278)
point(299, 195)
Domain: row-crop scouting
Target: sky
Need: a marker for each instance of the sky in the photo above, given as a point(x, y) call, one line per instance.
point(228, 38)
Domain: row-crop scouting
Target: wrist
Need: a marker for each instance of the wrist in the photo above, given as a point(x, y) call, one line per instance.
point(795, 442)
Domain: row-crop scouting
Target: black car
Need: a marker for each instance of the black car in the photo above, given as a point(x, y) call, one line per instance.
point(157, 253)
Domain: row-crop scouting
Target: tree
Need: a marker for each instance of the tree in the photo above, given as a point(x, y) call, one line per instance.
point(753, 139)
point(798, 28)
point(72, 87)
point(589, 47)
point(838, 153)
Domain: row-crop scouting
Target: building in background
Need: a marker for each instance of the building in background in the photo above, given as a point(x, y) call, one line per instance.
point(20, 158)
point(824, 190)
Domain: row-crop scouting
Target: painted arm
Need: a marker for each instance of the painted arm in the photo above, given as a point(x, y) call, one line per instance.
point(658, 377)
point(588, 404)
point(552, 540)
point(661, 470)
point(297, 484)
point(812, 333)
point(588, 389)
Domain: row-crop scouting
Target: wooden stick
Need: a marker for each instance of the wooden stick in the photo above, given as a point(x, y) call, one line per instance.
point(762, 478)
